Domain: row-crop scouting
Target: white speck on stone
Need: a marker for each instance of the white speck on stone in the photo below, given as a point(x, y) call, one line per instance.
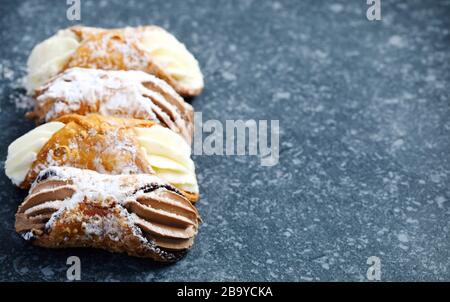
point(397, 41)
point(402, 237)
point(238, 245)
point(281, 95)
point(277, 6)
point(7, 73)
point(382, 231)
point(47, 271)
point(336, 8)
point(273, 275)
point(440, 200)
point(22, 101)
point(321, 55)
point(430, 78)
point(229, 76)
point(403, 247)
point(398, 144)
point(412, 220)
point(296, 161)
point(436, 178)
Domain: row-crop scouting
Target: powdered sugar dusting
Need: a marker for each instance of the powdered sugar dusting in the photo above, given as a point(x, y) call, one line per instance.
point(14, 80)
point(114, 93)
point(95, 186)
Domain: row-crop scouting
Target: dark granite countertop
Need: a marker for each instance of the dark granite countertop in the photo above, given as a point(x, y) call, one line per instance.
point(364, 111)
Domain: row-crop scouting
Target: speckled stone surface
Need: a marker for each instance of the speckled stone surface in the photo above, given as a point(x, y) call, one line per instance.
point(364, 111)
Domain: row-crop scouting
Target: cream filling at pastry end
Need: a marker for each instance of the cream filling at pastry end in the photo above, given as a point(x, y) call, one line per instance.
point(49, 57)
point(169, 155)
point(23, 151)
point(171, 55)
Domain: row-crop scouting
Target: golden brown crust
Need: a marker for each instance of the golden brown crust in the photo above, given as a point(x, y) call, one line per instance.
point(95, 142)
point(136, 214)
point(119, 49)
point(193, 197)
point(127, 94)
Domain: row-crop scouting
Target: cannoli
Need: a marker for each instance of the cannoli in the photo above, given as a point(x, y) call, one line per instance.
point(128, 94)
point(147, 48)
point(138, 214)
point(104, 144)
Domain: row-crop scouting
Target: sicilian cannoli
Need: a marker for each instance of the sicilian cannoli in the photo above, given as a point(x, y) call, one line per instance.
point(128, 94)
point(104, 144)
point(138, 214)
point(147, 48)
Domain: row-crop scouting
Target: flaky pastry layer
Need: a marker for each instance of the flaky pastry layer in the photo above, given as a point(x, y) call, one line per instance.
point(137, 214)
